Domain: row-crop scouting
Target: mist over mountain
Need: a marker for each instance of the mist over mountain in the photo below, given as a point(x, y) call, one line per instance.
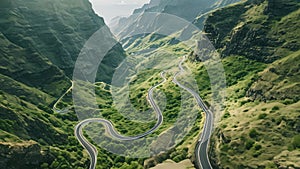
point(184, 9)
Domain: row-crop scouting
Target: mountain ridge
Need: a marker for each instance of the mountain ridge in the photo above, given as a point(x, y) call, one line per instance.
point(186, 10)
point(40, 42)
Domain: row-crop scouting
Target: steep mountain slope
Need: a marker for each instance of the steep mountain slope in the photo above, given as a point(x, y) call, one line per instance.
point(184, 9)
point(263, 25)
point(51, 30)
point(259, 44)
point(260, 125)
point(253, 29)
point(39, 44)
point(258, 40)
point(187, 9)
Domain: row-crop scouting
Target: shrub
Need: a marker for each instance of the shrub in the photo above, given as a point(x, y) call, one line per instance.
point(256, 154)
point(257, 147)
point(225, 147)
point(296, 141)
point(244, 102)
point(262, 116)
point(226, 115)
point(275, 108)
point(249, 144)
point(253, 133)
point(120, 159)
point(288, 101)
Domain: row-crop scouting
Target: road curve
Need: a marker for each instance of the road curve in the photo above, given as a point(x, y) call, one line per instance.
point(201, 151)
point(65, 110)
point(109, 128)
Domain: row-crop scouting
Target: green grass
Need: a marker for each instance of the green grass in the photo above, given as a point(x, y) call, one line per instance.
point(37, 62)
point(253, 29)
point(254, 137)
point(257, 129)
point(260, 58)
point(139, 86)
point(22, 121)
point(279, 81)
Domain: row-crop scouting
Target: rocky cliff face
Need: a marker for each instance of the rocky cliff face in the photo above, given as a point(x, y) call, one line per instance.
point(258, 24)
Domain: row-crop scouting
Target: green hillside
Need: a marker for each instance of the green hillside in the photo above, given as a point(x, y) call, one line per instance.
point(258, 41)
point(54, 30)
point(142, 18)
point(39, 44)
point(261, 30)
point(260, 124)
point(259, 46)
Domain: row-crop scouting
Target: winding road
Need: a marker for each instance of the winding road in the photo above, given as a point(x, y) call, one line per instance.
point(201, 151)
point(110, 130)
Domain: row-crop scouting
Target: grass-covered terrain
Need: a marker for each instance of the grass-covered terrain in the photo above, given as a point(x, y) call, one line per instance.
point(259, 127)
point(254, 131)
point(39, 44)
point(50, 32)
point(260, 30)
point(165, 58)
point(138, 87)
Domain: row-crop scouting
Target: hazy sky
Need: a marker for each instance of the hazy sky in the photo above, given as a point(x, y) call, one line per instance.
point(109, 9)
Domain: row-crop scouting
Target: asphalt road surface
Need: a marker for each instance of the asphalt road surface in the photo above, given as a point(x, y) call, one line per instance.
point(201, 151)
